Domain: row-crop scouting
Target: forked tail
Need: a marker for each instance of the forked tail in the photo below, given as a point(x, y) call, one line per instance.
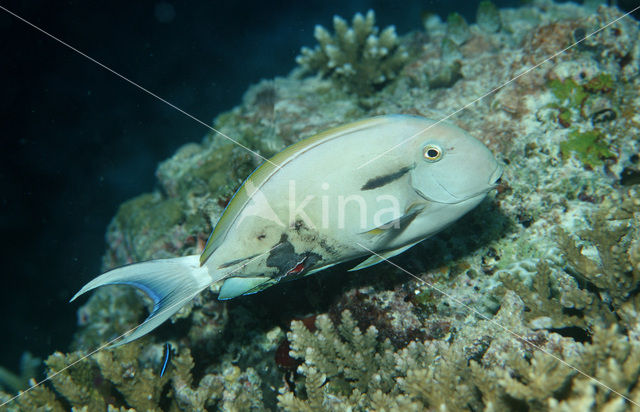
point(171, 283)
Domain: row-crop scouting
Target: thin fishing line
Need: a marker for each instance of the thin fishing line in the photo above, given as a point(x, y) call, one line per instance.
point(137, 85)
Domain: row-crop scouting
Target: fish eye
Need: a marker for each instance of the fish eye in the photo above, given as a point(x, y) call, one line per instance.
point(432, 153)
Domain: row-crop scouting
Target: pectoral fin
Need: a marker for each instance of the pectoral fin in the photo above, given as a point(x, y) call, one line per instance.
point(398, 223)
point(381, 256)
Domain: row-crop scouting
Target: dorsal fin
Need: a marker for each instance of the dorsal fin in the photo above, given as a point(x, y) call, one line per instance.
point(266, 170)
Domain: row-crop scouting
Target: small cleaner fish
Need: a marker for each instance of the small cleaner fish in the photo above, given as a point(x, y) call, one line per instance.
point(381, 184)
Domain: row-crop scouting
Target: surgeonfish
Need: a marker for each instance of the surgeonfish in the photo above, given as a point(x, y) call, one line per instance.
point(381, 184)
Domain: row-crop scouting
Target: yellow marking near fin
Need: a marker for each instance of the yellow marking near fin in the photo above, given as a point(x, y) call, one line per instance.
point(398, 223)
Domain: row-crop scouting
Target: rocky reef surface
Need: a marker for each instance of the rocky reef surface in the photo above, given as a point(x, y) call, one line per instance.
point(540, 282)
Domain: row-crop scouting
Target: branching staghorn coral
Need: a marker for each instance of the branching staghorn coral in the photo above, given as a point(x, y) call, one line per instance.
point(480, 367)
point(595, 278)
point(552, 297)
point(233, 390)
point(124, 379)
point(356, 57)
point(109, 378)
point(342, 365)
point(611, 264)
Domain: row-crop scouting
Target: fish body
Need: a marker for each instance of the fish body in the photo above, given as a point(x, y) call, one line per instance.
point(382, 184)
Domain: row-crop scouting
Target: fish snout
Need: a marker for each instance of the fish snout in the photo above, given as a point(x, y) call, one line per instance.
point(495, 177)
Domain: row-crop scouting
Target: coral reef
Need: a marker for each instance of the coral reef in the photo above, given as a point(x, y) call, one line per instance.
point(356, 57)
point(488, 16)
point(128, 379)
point(480, 367)
point(614, 269)
point(341, 364)
point(29, 366)
point(547, 269)
point(457, 29)
point(588, 147)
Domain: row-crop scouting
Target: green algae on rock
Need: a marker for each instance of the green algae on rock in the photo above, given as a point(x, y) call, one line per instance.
point(588, 147)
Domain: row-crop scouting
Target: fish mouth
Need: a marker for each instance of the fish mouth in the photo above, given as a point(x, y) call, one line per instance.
point(492, 183)
point(494, 179)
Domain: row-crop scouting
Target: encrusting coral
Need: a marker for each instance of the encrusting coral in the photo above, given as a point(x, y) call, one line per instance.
point(356, 57)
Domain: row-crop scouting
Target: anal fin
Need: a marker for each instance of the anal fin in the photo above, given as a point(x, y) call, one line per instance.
point(236, 286)
point(382, 256)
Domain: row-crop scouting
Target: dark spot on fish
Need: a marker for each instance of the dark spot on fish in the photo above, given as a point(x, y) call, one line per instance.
point(283, 257)
point(312, 237)
point(383, 180)
point(297, 225)
point(328, 248)
point(288, 263)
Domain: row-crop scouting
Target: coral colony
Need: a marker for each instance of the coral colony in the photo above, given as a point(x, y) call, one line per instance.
point(553, 255)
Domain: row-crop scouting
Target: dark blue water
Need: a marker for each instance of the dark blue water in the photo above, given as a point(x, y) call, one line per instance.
point(76, 141)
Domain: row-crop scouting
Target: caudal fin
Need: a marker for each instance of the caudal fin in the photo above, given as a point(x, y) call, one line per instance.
point(171, 283)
